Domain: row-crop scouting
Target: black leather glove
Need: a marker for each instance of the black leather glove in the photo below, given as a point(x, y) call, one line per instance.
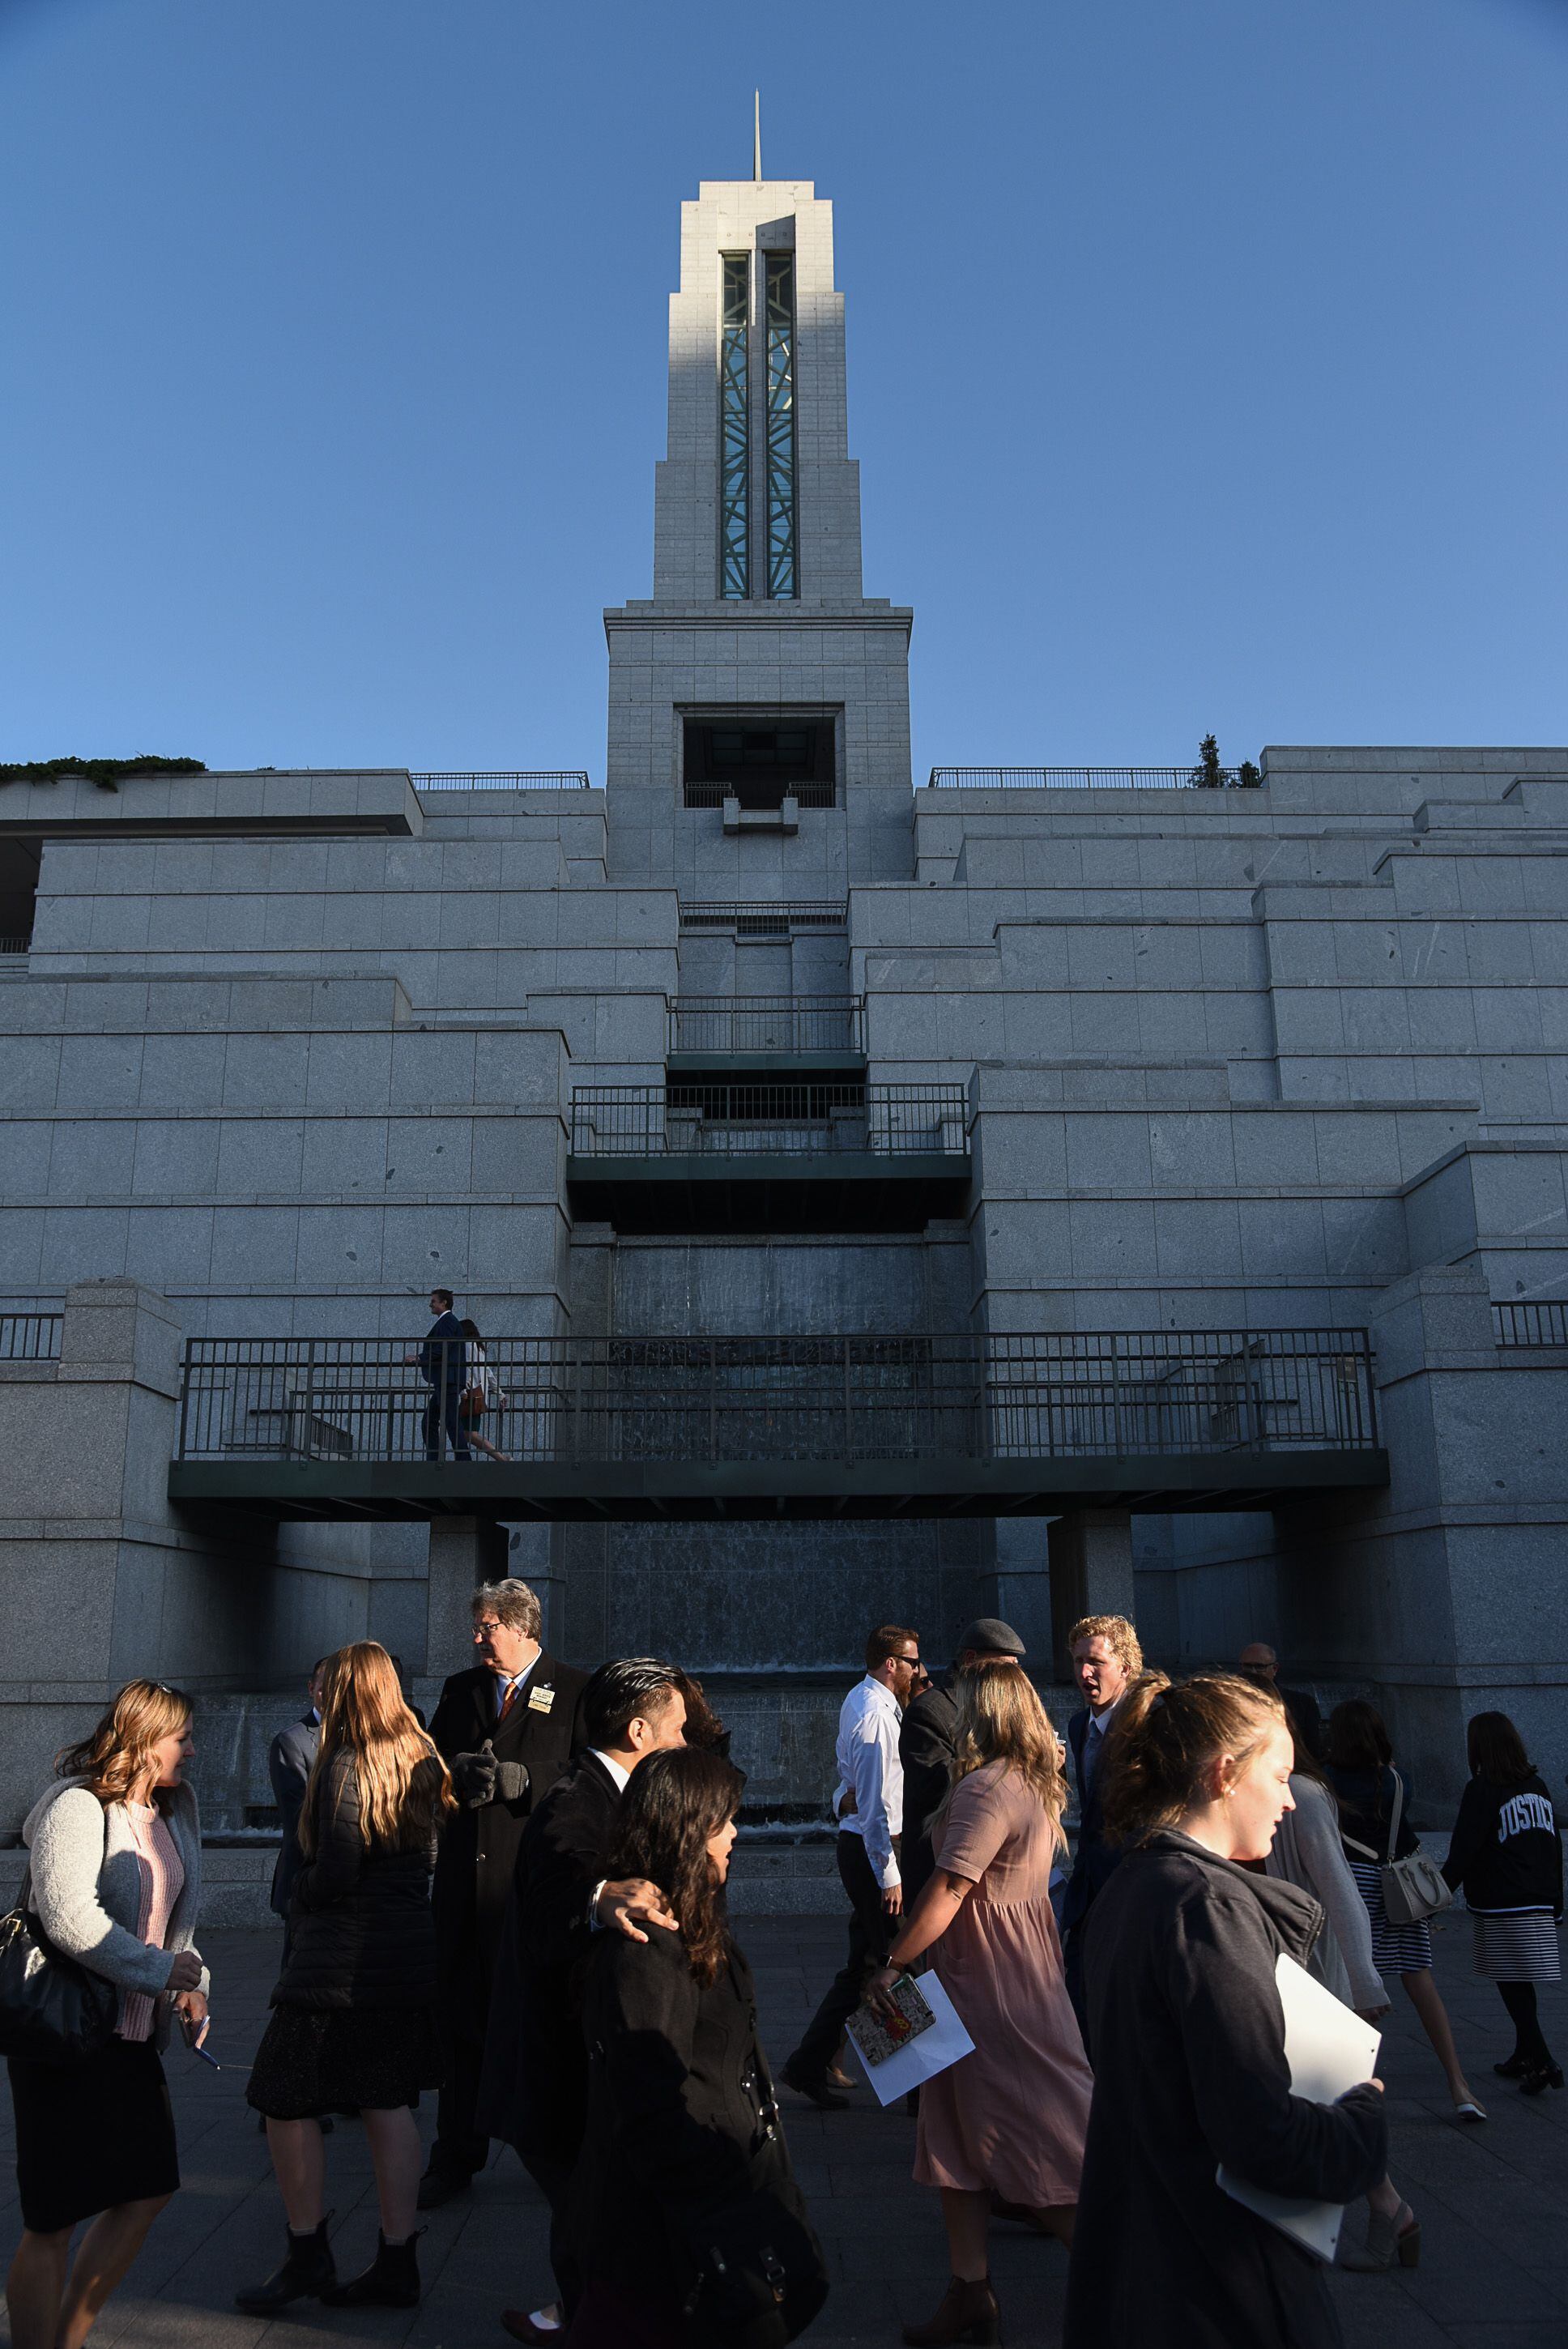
point(474, 1777)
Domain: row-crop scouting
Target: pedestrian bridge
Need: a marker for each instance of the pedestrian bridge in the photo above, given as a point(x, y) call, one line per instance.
point(780, 1427)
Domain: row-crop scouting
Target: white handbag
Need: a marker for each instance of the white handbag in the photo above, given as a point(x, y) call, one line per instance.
point(1414, 1888)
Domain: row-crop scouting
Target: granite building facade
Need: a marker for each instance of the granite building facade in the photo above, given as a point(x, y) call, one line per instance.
point(1176, 1090)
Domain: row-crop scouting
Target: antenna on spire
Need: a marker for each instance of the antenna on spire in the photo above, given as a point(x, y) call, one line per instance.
point(757, 134)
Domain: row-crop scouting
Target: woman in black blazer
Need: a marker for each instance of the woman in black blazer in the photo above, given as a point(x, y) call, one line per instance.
point(685, 2219)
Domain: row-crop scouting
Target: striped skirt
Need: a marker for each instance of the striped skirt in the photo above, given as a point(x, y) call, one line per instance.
point(1396, 1948)
point(1520, 1948)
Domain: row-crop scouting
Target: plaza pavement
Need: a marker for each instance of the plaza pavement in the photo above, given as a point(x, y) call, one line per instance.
point(1494, 2200)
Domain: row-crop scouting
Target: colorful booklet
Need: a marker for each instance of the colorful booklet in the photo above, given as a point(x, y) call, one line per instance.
point(925, 2039)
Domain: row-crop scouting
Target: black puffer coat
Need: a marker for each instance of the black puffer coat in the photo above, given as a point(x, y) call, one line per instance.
point(362, 1931)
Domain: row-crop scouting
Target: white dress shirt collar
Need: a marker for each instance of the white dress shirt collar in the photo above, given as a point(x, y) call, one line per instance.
point(622, 1778)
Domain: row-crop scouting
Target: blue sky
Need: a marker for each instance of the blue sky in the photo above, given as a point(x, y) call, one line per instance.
point(1208, 363)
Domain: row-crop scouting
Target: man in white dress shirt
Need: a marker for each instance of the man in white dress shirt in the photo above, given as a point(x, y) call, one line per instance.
point(868, 1803)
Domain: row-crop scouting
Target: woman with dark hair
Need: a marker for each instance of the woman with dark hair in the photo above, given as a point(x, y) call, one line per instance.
point(1187, 2039)
point(353, 2026)
point(1506, 1856)
point(1360, 1767)
point(686, 2218)
point(481, 1392)
point(114, 1879)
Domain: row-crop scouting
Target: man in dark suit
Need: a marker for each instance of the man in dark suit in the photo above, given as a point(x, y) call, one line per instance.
point(1260, 1663)
point(928, 1739)
point(506, 1730)
point(442, 1357)
point(536, 2066)
point(289, 1761)
point(1105, 1657)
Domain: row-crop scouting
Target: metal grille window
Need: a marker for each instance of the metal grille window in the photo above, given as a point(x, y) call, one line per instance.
point(734, 432)
point(781, 424)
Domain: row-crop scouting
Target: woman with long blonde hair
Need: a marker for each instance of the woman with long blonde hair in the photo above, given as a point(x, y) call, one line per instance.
point(114, 1879)
point(1008, 2122)
point(353, 2026)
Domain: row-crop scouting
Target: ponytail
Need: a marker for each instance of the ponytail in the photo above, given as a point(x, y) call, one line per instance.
point(1164, 1739)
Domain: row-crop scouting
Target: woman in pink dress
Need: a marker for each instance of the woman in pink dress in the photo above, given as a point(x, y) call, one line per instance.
point(1008, 2120)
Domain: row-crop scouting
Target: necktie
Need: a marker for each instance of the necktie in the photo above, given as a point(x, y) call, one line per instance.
point(508, 1701)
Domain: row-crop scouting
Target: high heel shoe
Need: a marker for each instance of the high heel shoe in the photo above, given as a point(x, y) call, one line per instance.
point(1539, 2077)
point(969, 2311)
point(1389, 2240)
point(1515, 2068)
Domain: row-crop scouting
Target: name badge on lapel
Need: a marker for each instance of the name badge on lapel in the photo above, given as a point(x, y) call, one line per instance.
point(540, 1700)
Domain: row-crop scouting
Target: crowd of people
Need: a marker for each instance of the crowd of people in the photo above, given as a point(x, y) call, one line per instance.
point(523, 1909)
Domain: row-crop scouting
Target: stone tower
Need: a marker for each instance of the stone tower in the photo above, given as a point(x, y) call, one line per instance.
point(759, 742)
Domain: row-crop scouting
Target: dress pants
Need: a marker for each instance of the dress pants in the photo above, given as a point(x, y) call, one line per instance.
point(444, 1408)
point(460, 2145)
point(554, 2180)
point(871, 1934)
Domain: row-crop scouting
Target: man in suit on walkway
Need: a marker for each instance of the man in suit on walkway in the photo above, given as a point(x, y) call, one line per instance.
point(442, 1357)
point(506, 1729)
point(536, 2066)
point(1105, 1656)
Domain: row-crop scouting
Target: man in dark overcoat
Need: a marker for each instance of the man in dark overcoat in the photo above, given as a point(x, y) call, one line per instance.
point(506, 1729)
point(928, 1740)
point(535, 2091)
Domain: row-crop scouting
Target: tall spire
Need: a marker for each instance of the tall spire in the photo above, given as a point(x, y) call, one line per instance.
point(757, 134)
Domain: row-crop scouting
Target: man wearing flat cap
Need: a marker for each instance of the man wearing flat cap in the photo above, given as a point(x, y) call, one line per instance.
point(928, 1739)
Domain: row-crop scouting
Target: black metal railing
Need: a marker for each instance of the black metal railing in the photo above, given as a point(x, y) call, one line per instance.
point(765, 918)
point(765, 1023)
point(1133, 778)
point(737, 1120)
point(30, 1337)
point(496, 779)
point(1542, 1322)
point(774, 1399)
point(17, 944)
point(704, 793)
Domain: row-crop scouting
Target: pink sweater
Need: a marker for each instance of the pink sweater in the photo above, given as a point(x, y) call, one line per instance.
point(162, 1877)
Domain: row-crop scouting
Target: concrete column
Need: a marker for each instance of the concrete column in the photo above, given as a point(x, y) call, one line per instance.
point(1091, 1572)
point(464, 1552)
point(1023, 1585)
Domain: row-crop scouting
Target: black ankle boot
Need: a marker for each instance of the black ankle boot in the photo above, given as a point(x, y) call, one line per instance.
point(391, 2281)
point(307, 2274)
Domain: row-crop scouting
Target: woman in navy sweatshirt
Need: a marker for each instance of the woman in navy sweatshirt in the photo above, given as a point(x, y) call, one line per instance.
point(1507, 1856)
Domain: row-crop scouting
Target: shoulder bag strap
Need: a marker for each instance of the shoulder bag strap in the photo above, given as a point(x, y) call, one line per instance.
point(1394, 1821)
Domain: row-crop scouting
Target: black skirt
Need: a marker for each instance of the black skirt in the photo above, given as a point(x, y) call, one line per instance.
point(314, 2059)
point(90, 2136)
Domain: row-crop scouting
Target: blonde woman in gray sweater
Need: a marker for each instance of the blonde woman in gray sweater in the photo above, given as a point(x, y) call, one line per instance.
point(1307, 1851)
point(114, 1877)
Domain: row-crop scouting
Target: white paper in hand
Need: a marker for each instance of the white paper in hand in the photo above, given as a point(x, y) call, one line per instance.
point(1329, 2050)
point(921, 2058)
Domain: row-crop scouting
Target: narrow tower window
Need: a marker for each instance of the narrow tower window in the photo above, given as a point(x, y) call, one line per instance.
point(733, 435)
point(781, 424)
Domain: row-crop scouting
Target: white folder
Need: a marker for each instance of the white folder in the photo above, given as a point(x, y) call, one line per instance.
point(1329, 2050)
point(923, 2058)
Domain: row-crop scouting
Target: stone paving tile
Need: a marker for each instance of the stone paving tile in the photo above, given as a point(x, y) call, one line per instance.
point(1493, 2200)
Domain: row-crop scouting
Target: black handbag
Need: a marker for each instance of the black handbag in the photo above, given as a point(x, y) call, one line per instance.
point(52, 2010)
point(761, 2276)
